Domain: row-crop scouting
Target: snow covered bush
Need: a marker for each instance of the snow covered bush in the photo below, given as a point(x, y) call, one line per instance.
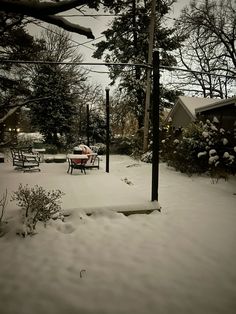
point(51, 148)
point(184, 156)
point(30, 139)
point(218, 149)
point(101, 148)
point(201, 147)
point(167, 144)
point(147, 157)
point(122, 145)
point(37, 204)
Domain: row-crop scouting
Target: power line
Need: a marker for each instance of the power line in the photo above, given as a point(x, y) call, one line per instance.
point(106, 72)
point(72, 40)
point(142, 65)
point(170, 68)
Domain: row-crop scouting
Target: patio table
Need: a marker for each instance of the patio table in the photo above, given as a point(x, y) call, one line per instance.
point(76, 161)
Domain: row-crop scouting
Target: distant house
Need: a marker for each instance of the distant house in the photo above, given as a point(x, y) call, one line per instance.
point(188, 109)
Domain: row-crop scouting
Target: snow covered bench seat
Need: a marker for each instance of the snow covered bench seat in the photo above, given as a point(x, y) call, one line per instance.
point(25, 160)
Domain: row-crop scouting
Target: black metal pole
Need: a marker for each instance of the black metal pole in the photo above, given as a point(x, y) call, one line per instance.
point(107, 129)
point(155, 125)
point(87, 127)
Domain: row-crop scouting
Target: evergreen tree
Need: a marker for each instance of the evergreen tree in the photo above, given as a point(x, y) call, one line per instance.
point(127, 42)
point(15, 44)
point(54, 115)
point(62, 84)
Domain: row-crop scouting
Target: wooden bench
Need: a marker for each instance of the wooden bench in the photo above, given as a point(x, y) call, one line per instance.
point(24, 159)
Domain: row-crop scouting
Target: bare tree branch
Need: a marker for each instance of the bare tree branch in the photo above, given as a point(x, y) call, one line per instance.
point(28, 7)
point(65, 24)
point(209, 45)
point(14, 108)
point(8, 114)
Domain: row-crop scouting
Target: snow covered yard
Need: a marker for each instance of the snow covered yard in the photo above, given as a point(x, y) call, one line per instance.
point(181, 260)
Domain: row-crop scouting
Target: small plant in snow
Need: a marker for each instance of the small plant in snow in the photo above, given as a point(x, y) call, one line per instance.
point(37, 204)
point(146, 157)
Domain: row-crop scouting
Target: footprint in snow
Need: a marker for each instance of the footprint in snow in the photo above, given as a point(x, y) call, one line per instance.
point(127, 181)
point(66, 228)
point(133, 165)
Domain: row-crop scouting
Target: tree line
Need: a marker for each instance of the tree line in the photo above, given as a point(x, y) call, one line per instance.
point(202, 38)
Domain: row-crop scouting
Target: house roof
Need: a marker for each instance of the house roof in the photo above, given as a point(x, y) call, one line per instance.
point(218, 103)
point(192, 104)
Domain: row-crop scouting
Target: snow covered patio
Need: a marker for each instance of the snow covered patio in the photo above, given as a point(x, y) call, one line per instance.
point(93, 191)
point(181, 260)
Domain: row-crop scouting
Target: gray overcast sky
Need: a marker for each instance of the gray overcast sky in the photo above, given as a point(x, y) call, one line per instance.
point(98, 25)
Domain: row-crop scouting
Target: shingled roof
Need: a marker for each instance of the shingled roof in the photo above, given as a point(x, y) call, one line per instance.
point(191, 104)
point(194, 105)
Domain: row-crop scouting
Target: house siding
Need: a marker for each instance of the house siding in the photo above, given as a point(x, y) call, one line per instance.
point(180, 118)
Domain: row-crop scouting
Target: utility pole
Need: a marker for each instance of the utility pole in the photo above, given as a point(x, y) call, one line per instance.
point(148, 88)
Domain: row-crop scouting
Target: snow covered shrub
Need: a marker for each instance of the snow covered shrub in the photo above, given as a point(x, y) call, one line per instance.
point(218, 151)
point(184, 155)
point(101, 148)
point(122, 145)
point(202, 147)
point(36, 205)
point(51, 148)
point(147, 157)
point(168, 140)
point(30, 139)
point(137, 144)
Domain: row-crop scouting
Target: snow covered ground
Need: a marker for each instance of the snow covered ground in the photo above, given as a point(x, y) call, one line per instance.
point(179, 261)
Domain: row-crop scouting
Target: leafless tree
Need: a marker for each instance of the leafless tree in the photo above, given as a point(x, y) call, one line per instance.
point(59, 48)
point(210, 30)
point(123, 120)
